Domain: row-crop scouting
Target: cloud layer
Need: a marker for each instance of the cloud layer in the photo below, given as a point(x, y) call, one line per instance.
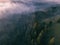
point(19, 6)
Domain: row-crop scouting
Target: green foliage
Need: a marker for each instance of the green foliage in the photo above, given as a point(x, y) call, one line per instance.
point(42, 34)
point(58, 21)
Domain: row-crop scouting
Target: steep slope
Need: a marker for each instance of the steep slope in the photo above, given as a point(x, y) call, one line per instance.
point(29, 29)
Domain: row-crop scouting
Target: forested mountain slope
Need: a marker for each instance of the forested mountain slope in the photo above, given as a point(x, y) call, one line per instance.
point(35, 28)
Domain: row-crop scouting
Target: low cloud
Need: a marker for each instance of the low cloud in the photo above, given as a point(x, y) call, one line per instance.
point(12, 8)
point(20, 6)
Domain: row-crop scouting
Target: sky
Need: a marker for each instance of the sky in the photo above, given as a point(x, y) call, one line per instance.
point(23, 6)
point(33, 0)
point(39, 0)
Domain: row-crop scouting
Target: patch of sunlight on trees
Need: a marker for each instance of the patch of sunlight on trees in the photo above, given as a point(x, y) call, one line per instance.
point(39, 37)
point(35, 24)
point(51, 41)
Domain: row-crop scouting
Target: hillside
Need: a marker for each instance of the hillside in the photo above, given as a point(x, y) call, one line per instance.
point(37, 28)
